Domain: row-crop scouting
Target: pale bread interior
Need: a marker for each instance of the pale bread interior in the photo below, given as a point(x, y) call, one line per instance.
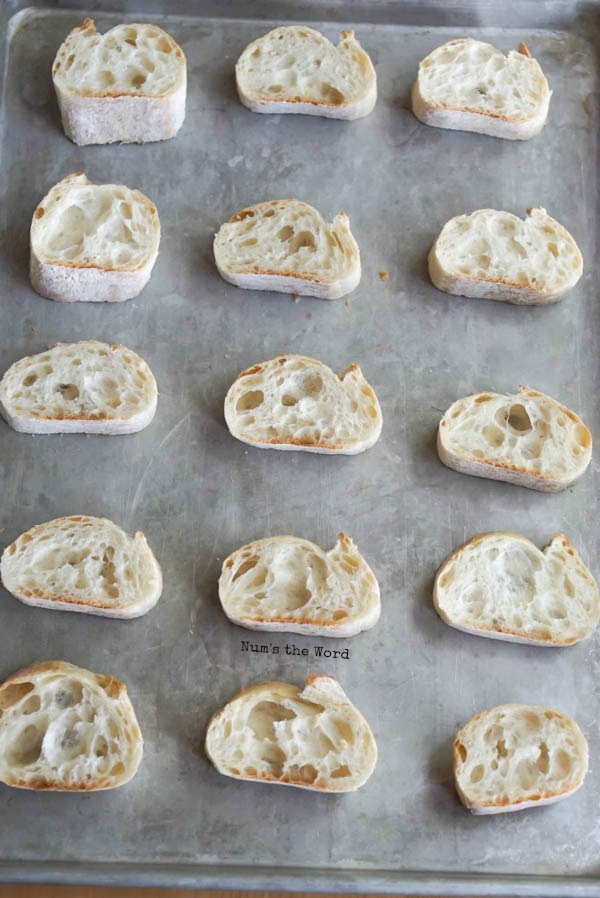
point(131, 59)
point(501, 585)
point(65, 728)
point(528, 432)
point(472, 76)
point(287, 237)
point(88, 380)
point(84, 564)
point(489, 245)
point(299, 402)
point(314, 738)
point(284, 582)
point(298, 64)
point(105, 226)
point(515, 756)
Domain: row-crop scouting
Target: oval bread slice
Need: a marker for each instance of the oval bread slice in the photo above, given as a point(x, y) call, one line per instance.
point(82, 563)
point(284, 583)
point(496, 255)
point(275, 733)
point(468, 85)
point(288, 247)
point(518, 756)
point(295, 402)
point(296, 69)
point(93, 243)
point(125, 86)
point(527, 439)
point(66, 729)
point(85, 387)
point(501, 585)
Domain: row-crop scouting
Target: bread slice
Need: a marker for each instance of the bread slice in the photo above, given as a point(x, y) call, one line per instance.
point(275, 733)
point(496, 255)
point(501, 585)
point(518, 756)
point(93, 243)
point(85, 387)
point(287, 246)
point(296, 69)
point(528, 439)
point(283, 583)
point(125, 86)
point(84, 564)
point(467, 85)
point(294, 402)
point(66, 729)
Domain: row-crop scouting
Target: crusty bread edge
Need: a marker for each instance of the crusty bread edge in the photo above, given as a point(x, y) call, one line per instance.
point(477, 122)
point(104, 426)
point(491, 632)
point(78, 283)
point(123, 119)
point(288, 283)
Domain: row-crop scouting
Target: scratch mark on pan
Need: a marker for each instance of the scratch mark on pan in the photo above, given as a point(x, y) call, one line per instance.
point(140, 486)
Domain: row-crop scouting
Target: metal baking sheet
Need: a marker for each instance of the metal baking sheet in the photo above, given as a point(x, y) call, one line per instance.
point(198, 494)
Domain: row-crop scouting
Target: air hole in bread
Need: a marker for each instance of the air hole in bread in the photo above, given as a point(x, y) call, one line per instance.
point(477, 773)
point(303, 240)
point(479, 399)
point(32, 705)
point(117, 769)
point(582, 435)
point(269, 213)
point(339, 615)
point(246, 566)
point(562, 762)
point(288, 399)
point(68, 695)
point(275, 88)
point(518, 419)
point(543, 761)
point(345, 731)
point(553, 248)
point(285, 233)
point(68, 391)
point(108, 573)
point(462, 751)
point(331, 94)
point(275, 758)
point(306, 773)
point(30, 380)
point(250, 400)
point(501, 749)
point(250, 241)
point(39, 212)
point(341, 772)
point(265, 715)
point(10, 695)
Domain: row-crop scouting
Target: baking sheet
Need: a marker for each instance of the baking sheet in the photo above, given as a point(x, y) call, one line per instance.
point(198, 494)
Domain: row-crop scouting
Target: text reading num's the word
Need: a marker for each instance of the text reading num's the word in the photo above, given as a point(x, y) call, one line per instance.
point(290, 649)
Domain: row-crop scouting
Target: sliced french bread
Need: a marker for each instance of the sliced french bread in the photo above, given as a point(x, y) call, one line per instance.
point(125, 86)
point(518, 756)
point(496, 255)
point(93, 242)
point(296, 69)
point(527, 439)
point(275, 733)
point(85, 387)
point(294, 402)
point(82, 563)
point(287, 246)
point(468, 85)
point(501, 585)
point(284, 583)
point(66, 729)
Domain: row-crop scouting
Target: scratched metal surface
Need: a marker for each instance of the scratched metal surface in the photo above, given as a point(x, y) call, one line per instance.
point(198, 494)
